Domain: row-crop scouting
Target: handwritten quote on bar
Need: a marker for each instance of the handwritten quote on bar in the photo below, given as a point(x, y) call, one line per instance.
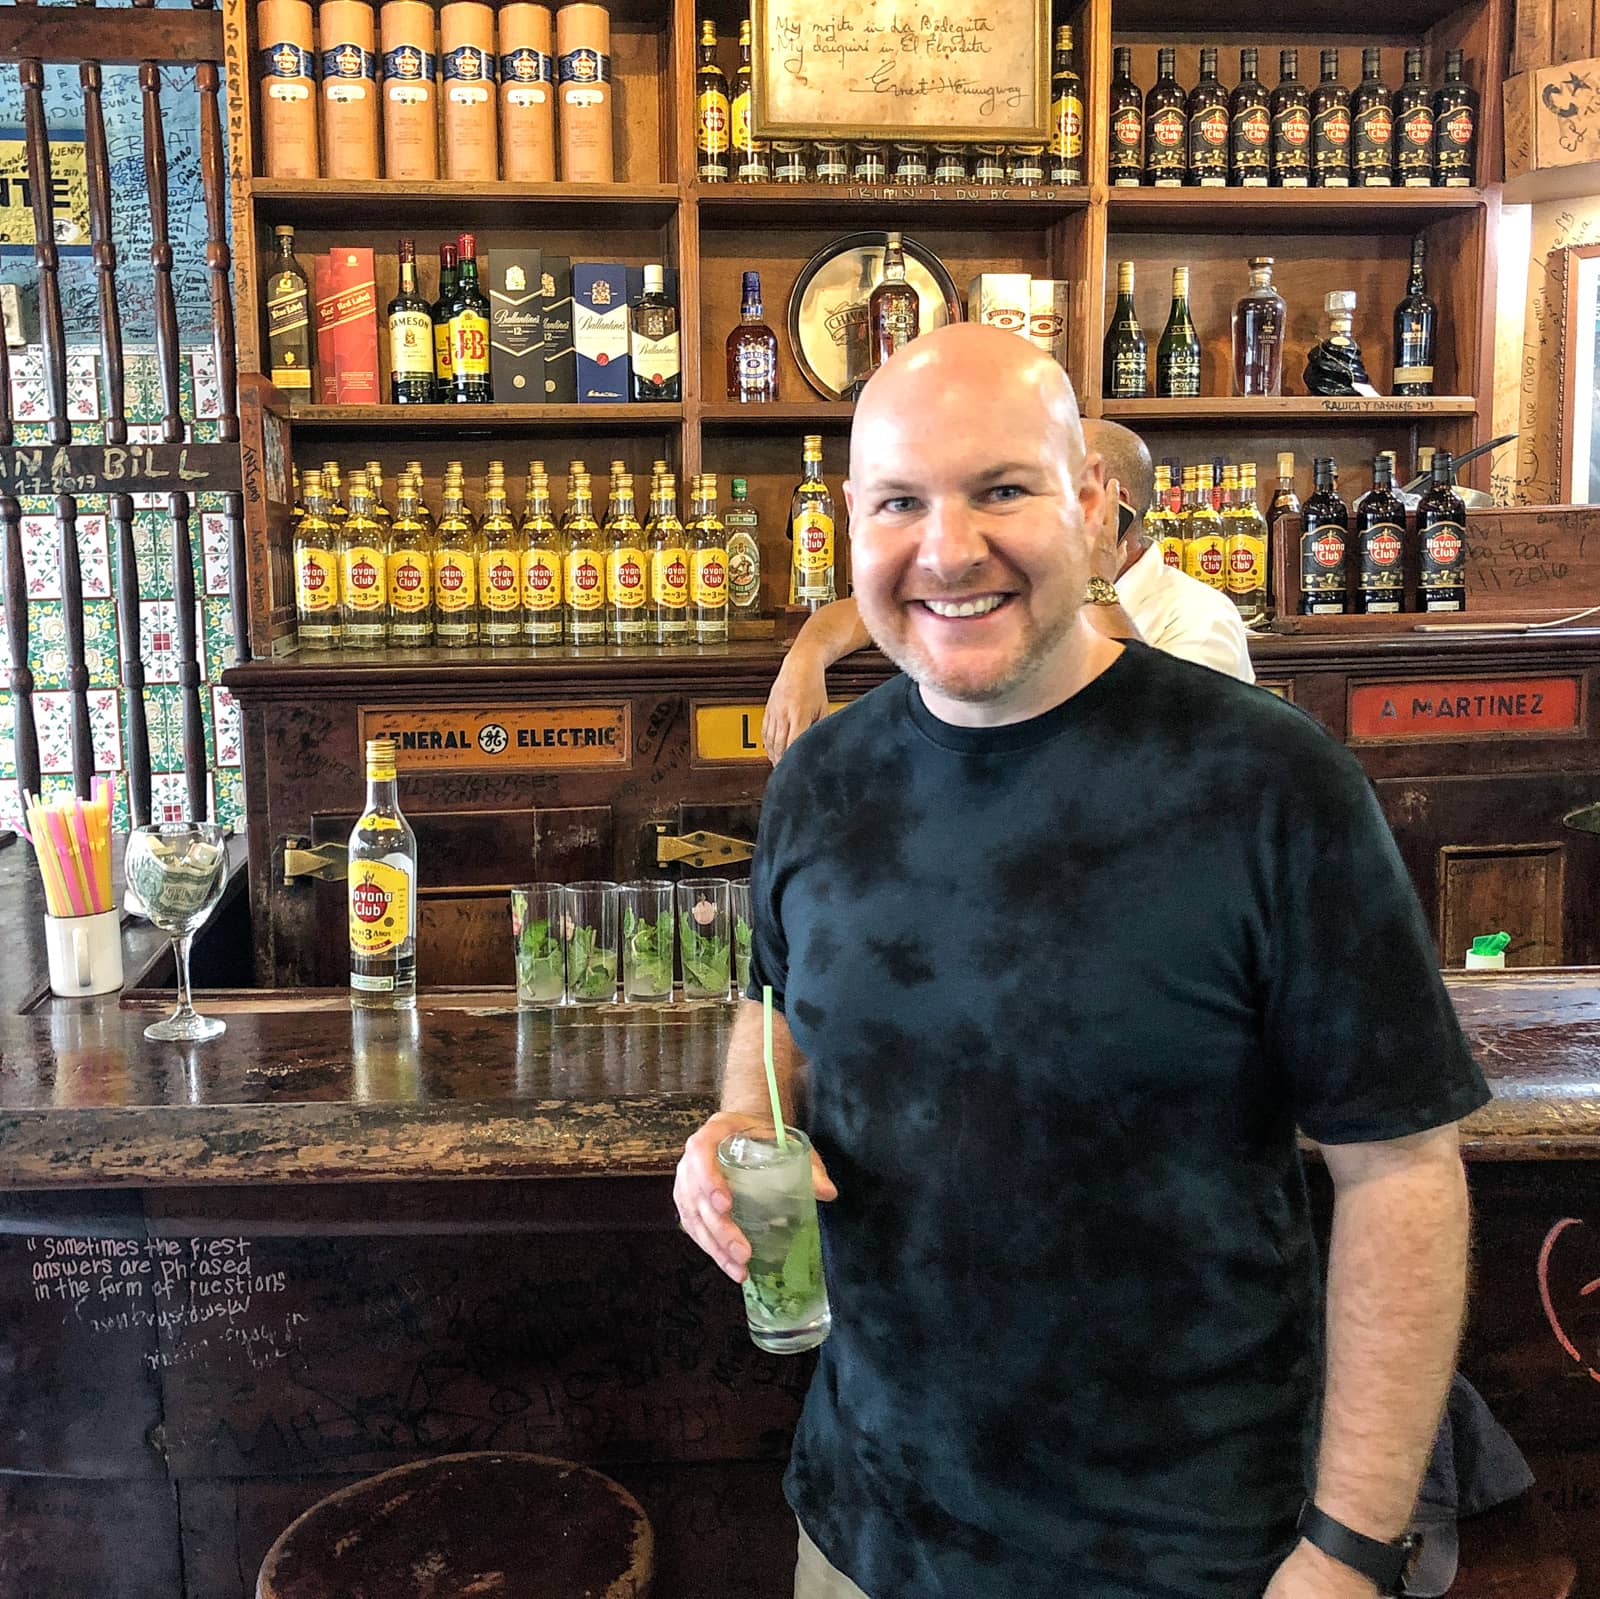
point(964, 72)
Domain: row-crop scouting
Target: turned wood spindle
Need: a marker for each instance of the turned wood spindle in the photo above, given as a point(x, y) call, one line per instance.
point(155, 172)
point(112, 382)
point(45, 255)
point(135, 724)
point(189, 674)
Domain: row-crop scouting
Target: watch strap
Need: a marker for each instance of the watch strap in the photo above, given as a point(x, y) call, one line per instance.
point(1380, 1562)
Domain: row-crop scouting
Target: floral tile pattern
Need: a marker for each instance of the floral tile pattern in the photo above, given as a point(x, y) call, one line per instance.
point(40, 567)
point(94, 556)
point(229, 727)
point(217, 551)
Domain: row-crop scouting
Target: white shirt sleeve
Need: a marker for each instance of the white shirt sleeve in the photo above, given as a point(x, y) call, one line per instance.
point(1175, 613)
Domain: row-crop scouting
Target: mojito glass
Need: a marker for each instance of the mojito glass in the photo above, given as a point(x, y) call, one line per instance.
point(775, 1207)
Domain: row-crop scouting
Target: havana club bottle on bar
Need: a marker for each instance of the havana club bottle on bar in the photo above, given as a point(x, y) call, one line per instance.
point(1324, 547)
point(1380, 540)
point(669, 567)
point(411, 351)
point(752, 157)
point(1205, 547)
point(1372, 125)
point(363, 573)
point(708, 566)
point(1413, 127)
point(444, 381)
point(627, 568)
point(812, 582)
point(1249, 127)
point(584, 580)
point(1207, 113)
point(542, 562)
point(1124, 365)
point(412, 544)
point(469, 330)
point(1066, 115)
point(1442, 540)
point(1248, 544)
point(1291, 125)
point(1455, 128)
point(1161, 523)
point(455, 570)
point(1178, 353)
point(712, 125)
point(1166, 125)
point(382, 897)
point(289, 320)
point(316, 571)
point(1127, 123)
point(1330, 127)
point(499, 566)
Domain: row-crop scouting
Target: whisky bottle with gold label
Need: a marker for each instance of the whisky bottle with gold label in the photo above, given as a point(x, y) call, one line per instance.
point(289, 320)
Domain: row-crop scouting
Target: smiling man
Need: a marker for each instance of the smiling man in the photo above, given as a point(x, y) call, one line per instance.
point(1068, 937)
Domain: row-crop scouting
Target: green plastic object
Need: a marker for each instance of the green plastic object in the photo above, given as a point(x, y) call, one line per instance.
point(1490, 943)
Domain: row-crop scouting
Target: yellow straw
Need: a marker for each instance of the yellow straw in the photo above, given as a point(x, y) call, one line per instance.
point(80, 867)
point(55, 890)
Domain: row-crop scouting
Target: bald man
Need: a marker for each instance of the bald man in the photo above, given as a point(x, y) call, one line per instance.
point(1154, 602)
point(1066, 937)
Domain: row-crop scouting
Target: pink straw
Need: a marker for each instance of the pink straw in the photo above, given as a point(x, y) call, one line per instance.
point(58, 833)
point(88, 854)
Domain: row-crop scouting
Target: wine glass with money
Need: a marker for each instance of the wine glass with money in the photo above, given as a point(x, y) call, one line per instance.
point(177, 870)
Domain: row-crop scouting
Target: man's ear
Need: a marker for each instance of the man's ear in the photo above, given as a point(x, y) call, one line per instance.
point(849, 505)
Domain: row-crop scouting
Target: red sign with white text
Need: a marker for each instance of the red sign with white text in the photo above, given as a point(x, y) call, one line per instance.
point(1466, 707)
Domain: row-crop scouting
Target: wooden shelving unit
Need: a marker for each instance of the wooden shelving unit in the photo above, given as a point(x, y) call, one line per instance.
point(710, 233)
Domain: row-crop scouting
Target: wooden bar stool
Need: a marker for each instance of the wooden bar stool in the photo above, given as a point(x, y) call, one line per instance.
point(501, 1525)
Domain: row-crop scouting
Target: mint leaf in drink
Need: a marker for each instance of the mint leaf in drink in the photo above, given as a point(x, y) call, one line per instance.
point(705, 958)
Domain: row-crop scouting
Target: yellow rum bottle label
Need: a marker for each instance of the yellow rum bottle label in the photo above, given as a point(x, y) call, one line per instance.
point(669, 577)
point(1205, 559)
point(708, 578)
point(454, 580)
point(380, 908)
point(365, 578)
point(1247, 563)
point(317, 581)
point(541, 580)
point(410, 581)
point(500, 580)
point(586, 581)
point(625, 570)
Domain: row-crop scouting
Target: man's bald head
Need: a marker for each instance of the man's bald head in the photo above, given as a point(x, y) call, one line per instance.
point(1123, 456)
point(963, 365)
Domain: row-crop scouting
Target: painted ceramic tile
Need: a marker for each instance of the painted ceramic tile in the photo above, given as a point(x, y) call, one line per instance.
point(40, 548)
point(229, 786)
point(8, 739)
point(153, 551)
point(83, 385)
point(143, 379)
point(164, 725)
point(31, 433)
point(52, 719)
point(207, 383)
point(158, 640)
point(205, 431)
point(221, 651)
point(169, 796)
point(100, 646)
point(228, 725)
point(5, 647)
point(94, 557)
point(10, 806)
point(146, 433)
point(29, 402)
point(218, 551)
point(47, 644)
point(105, 729)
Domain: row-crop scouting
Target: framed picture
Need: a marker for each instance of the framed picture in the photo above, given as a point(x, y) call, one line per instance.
point(968, 73)
point(1578, 439)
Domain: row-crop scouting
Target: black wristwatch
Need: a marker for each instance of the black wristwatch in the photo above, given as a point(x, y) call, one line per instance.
point(1379, 1562)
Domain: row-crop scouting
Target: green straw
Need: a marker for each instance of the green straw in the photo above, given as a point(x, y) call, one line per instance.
point(772, 1069)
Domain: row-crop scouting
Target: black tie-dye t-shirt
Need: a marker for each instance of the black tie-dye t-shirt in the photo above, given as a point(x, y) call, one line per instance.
point(1066, 989)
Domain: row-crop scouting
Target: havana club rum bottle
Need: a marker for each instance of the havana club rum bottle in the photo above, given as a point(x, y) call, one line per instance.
point(584, 580)
point(289, 320)
point(1205, 549)
point(1442, 539)
point(382, 895)
point(1324, 574)
point(1249, 126)
point(1413, 127)
point(1372, 125)
point(363, 572)
point(1065, 158)
point(1161, 524)
point(811, 532)
point(1166, 125)
point(412, 544)
point(1380, 540)
point(1330, 127)
point(708, 566)
point(543, 559)
point(455, 570)
point(1291, 125)
point(752, 157)
point(1127, 123)
point(1207, 112)
point(712, 116)
point(316, 571)
point(1246, 533)
point(499, 566)
point(669, 567)
point(627, 568)
point(1455, 123)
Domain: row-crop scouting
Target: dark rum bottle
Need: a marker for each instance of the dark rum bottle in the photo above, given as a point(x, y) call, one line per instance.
point(1442, 541)
point(1127, 123)
point(1380, 540)
point(1416, 328)
point(1178, 353)
point(1207, 113)
point(1330, 127)
point(1413, 127)
point(1249, 126)
point(1291, 125)
point(1455, 128)
point(1372, 125)
point(1124, 367)
point(1166, 125)
point(1324, 565)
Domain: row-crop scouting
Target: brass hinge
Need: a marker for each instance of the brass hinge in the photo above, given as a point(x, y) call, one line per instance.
point(701, 849)
point(301, 858)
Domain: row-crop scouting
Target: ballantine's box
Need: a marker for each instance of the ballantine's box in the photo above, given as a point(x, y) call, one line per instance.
point(516, 326)
point(600, 331)
point(560, 364)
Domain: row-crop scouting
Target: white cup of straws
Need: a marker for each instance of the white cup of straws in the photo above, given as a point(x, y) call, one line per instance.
point(71, 841)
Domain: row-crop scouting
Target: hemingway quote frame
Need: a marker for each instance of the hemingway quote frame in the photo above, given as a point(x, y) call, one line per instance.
point(973, 73)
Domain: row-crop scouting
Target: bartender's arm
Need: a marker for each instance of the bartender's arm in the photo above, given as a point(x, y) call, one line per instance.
point(799, 697)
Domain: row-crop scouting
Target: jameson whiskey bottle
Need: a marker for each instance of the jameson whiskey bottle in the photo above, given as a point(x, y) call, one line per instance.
point(744, 554)
point(627, 568)
point(1123, 374)
point(584, 580)
point(1455, 123)
point(1324, 578)
point(669, 567)
point(1065, 158)
point(1249, 126)
point(1127, 123)
point(752, 157)
point(1208, 127)
point(1178, 353)
point(363, 572)
point(1380, 540)
point(412, 545)
point(499, 566)
point(542, 562)
point(708, 567)
point(811, 532)
point(469, 330)
point(1205, 545)
point(411, 353)
point(1245, 531)
point(316, 571)
point(455, 570)
point(1372, 125)
point(1416, 331)
point(444, 380)
point(289, 320)
point(712, 117)
point(1330, 127)
point(1166, 125)
point(1291, 125)
point(382, 896)
point(1442, 538)
point(1413, 127)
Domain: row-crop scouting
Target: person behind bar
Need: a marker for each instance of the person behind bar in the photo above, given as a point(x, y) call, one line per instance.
point(1067, 937)
point(1154, 602)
